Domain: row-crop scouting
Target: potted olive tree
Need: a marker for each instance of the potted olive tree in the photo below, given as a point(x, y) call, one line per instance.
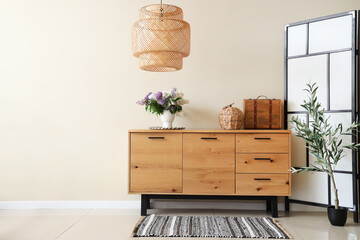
point(325, 144)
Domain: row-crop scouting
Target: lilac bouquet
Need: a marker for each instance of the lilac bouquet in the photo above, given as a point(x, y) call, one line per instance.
point(157, 103)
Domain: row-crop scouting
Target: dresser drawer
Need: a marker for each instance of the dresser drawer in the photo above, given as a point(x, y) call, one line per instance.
point(262, 163)
point(262, 143)
point(209, 163)
point(262, 184)
point(156, 162)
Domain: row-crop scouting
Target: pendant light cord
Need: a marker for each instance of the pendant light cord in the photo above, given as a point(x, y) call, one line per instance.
point(161, 12)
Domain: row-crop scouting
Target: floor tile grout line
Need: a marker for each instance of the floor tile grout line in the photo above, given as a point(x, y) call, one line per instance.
point(72, 225)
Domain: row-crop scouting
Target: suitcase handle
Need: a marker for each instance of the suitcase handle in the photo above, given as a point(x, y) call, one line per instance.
point(261, 96)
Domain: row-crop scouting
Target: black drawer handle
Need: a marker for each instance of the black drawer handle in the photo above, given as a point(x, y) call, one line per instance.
point(262, 138)
point(264, 159)
point(262, 179)
point(208, 138)
point(156, 137)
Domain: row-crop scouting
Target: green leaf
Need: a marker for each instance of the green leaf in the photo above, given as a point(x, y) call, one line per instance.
point(323, 139)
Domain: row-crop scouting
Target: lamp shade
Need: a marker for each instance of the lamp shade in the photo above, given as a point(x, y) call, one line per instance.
point(161, 39)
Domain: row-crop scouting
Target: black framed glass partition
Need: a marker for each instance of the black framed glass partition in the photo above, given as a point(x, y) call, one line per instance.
point(323, 50)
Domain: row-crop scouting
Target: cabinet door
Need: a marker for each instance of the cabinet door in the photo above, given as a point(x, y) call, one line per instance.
point(209, 163)
point(156, 162)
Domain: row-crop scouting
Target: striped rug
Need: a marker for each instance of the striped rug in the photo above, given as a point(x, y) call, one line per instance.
point(208, 226)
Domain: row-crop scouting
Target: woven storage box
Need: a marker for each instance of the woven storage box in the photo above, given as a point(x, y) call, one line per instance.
point(231, 118)
point(262, 113)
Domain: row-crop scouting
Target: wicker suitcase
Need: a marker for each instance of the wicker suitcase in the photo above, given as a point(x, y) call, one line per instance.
point(262, 113)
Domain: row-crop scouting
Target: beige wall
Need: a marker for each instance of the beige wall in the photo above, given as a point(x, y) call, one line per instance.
point(68, 84)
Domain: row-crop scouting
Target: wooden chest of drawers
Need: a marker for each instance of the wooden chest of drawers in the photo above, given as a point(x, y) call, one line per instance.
point(210, 162)
point(263, 164)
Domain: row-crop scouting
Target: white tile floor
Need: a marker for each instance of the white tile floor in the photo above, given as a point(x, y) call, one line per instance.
point(111, 224)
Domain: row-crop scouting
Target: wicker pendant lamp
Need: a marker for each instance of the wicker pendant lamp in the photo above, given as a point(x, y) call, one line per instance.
point(161, 39)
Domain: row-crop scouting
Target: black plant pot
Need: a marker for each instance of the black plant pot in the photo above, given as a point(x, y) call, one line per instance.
point(337, 217)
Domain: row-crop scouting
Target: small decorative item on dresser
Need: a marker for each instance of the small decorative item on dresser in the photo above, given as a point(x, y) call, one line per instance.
point(262, 113)
point(164, 128)
point(164, 104)
point(231, 118)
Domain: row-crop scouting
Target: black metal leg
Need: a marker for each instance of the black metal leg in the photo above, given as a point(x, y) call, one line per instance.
point(268, 205)
point(274, 207)
point(287, 204)
point(145, 203)
point(356, 217)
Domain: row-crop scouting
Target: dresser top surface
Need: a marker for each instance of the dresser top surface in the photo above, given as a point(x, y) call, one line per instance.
point(282, 131)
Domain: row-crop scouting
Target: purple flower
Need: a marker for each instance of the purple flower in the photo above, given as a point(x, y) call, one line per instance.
point(159, 98)
point(141, 102)
point(173, 92)
point(161, 101)
point(172, 108)
point(147, 96)
point(158, 95)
